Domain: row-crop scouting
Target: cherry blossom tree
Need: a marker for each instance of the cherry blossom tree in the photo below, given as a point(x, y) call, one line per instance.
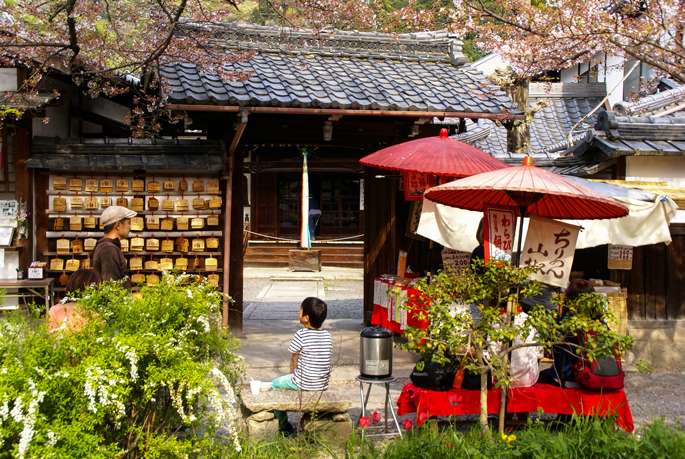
point(542, 35)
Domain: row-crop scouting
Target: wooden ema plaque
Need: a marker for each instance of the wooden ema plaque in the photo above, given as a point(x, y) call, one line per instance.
point(89, 244)
point(58, 224)
point(198, 203)
point(138, 204)
point(121, 185)
point(92, 185)
point(72, 265)
point(168, 205)
point(152, 222)
point(182, 186)
point(168, 246)
point(166, 264)
point(214, 202)
point(199, 185)
point(77, 246)
point(85, 264)
point(181, 244)
point(122, 201)
point(76, 202)
point(182, 223)
point(169, 185)
point(181, 205)
point(152, 244)
point(153, 204)
point(194, 263)
point(90, 222)
point(135, 263)
point(197, 223)
point(181, 263)
point(213, 220)
point(211, 264)
point(152, 264)
point(153, 187)
point(75, 184)
point(152, 279)
point(213, 186)
point(138, 278)
point(213, 279)
point(137, 296)
point(124, 245)
point(198, 245)
point(75, 224)
point(106, 186)
point(105, 202)
point(57, 264)
point(62, 246)
point(59, 183)
point(167, 224)
point(138, 185)
point(91, 203)
point(137, 224)
point(137, 244)
point(63, 279)
point(59, 204)
point(212, 243)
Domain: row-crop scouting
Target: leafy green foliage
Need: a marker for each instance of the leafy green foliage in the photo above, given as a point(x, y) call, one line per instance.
point(141, 375)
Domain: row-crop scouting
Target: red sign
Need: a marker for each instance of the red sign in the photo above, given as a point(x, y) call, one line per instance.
point(415, 184)
point(499, 230)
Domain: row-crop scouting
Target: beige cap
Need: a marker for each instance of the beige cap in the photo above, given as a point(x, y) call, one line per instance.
point(115, 214)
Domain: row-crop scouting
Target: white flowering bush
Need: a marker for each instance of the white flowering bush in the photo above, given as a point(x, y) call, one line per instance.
point(150, 377)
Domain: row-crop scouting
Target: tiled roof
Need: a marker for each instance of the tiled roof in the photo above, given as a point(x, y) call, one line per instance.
point(568, 104)
point(346, 70)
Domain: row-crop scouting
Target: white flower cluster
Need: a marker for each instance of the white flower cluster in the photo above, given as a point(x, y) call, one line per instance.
point(52, 438)
point(97, 390)
point(132, 357)
point(204, 321)
point(225, 410)
point(28, 418)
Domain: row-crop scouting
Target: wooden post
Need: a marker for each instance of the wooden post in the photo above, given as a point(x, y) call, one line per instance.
point(228, 201)
point(24, 188)
point(235, 316)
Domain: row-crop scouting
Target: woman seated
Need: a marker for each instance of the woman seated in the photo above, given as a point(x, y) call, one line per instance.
point(66, 316)
point(561, 373)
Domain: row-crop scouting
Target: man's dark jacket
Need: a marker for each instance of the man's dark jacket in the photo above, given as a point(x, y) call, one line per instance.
point(109, 261)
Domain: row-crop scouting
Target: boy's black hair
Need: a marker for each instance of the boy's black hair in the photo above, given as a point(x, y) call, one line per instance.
point(316, 309)
point(108, 229)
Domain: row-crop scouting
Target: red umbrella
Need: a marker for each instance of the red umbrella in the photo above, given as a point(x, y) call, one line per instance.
point(533, 190)
point(434, 155)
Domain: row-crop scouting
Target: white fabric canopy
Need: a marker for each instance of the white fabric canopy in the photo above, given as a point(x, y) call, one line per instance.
point(646, 223)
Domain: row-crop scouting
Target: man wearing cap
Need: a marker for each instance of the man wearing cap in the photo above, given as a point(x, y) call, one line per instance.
point(108, 259)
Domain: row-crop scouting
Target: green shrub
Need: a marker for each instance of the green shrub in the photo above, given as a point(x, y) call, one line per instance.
point(141, 379)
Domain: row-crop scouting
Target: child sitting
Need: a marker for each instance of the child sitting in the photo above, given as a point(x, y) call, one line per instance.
point(311, 349)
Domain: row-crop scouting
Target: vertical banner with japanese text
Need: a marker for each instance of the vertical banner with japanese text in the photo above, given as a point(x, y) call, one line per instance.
point(499, 230)
point(550, 246)
point(415, 184)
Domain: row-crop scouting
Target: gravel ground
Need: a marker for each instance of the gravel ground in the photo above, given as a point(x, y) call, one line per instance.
point(656, 395)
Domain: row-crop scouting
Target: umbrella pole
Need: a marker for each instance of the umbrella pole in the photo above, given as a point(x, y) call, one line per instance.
point(522, 210)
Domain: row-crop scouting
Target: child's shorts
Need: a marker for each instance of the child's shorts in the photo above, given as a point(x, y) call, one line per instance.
point(284, 382)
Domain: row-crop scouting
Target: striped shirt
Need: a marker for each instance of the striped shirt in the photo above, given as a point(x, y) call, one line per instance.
point(315, 348)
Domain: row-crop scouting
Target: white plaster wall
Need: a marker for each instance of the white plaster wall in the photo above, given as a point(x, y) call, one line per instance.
point(8, 80)
point(569, 75)
point(612, 74)
point(669, 169)
point(490, 63)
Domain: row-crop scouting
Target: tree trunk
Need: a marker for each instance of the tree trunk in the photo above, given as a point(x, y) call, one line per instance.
point(518, 134)
point(483, 392)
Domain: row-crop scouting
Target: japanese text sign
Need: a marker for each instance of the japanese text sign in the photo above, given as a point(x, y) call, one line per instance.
point(415, 184)
point(458, 260)
point(620, 257)
point(499, 230)
point(550, 246)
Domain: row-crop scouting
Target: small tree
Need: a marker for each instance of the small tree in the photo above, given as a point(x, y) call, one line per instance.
point(494, 288)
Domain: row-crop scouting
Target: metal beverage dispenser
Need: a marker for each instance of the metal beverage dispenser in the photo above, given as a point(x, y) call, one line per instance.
point(375, 353)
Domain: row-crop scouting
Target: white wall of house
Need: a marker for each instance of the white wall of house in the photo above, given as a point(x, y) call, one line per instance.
point(610, 71)
point(669, 169)
point(9, 80)
point(488, 64)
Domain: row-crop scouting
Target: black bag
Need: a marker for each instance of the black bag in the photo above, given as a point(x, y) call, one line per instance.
point(432, 375)
point(472, 381)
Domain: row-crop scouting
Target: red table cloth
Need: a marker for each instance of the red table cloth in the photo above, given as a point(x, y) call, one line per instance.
point(451, 403)
point(568, 401)
point(551, 399)
point(380, 313)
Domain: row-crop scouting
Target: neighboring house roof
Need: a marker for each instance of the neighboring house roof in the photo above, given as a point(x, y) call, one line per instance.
point(568, 104)
point(651, 126)
point(27, 102)
point(108, 154)
point(348, 70)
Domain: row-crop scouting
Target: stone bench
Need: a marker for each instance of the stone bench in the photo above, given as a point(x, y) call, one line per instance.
point(325, 413)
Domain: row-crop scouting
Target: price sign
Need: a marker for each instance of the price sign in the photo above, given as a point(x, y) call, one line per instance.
point(620, 257)
point(460, 261)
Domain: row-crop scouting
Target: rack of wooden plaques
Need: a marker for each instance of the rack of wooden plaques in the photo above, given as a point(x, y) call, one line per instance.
point(178, 225)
